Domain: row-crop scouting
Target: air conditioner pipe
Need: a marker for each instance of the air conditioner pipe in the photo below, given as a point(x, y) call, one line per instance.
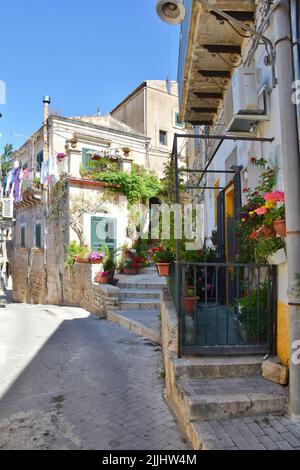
point(291, 169)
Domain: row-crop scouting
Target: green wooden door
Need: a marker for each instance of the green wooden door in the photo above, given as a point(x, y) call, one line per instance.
point(103, 231)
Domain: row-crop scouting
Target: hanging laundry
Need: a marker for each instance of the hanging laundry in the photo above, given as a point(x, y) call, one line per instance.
point(17, 185)
point(53, 170)
point(8, 183)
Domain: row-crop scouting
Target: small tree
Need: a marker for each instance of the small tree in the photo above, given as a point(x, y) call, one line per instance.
point(80, 205)
point(6, 160)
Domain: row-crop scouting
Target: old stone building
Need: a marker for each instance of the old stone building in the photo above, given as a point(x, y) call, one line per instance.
point(43, 228)
point(152, 109)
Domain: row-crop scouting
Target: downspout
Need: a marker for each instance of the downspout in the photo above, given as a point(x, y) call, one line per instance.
point(291, 169)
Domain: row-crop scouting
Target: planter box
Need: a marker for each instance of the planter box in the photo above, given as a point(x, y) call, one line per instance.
point(278, 258)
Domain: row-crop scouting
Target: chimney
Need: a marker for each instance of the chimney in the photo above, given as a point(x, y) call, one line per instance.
point(46, 101)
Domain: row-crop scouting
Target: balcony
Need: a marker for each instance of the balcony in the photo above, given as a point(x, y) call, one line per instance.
point(210, 50)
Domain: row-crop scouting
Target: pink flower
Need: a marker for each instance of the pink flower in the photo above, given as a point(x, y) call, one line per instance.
point(261, 211)
point(275, 197)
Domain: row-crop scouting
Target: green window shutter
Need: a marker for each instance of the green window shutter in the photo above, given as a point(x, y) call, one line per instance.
point(86, 156)
point(103, 231)
point(38, 236)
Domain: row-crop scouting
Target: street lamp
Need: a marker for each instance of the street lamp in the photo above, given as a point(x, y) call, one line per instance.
point(172, 12)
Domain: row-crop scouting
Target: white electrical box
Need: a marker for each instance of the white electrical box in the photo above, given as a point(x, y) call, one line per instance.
point(7, 208)
point(246, 91)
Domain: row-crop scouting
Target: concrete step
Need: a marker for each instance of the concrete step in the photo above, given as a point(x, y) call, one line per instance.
point(138, 327)
point(139, 294)
point(222, 398)
point(217, 367)
point(139, 304)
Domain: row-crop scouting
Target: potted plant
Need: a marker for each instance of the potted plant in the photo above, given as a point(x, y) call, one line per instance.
point(190, 302)
point(275, 205)
point(139, 261)
point(96, 258)
point(126, 151)
point(162, 259)
point(130, 267)
point(102, 277)
point(82, 255)
point(60, 156)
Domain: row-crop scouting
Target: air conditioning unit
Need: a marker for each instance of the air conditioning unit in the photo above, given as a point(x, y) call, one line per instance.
point(7, 208)
point(245, 102)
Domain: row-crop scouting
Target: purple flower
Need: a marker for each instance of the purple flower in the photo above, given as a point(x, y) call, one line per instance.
point(96, 256)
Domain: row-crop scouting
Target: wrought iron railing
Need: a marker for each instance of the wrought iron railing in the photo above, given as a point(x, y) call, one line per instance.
point(225, 308)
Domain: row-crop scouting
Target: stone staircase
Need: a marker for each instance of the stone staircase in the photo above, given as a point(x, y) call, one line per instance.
point(138, 307)
point(221, 389)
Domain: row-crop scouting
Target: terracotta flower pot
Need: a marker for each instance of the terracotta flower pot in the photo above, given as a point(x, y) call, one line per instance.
point(267, 231)
point(130, 271)
point(96, 261)
point(280, 227)
point(163, 269)
point(189, 304)
point(103, 279)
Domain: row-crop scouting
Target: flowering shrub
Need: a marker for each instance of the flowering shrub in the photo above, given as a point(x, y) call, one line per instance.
point(264, 206)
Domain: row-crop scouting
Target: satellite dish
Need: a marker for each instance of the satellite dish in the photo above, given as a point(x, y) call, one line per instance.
point(172, 12)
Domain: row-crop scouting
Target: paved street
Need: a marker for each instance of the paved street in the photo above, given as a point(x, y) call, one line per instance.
point(71, 381)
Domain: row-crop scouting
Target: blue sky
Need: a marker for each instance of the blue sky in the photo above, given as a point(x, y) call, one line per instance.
point(84, 54)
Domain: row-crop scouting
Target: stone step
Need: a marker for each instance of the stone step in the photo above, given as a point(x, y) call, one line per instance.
point(139, 304)
point(217, 367)
point(139, 294)
point(140, 285)
point(148, 270)
point(205, 399)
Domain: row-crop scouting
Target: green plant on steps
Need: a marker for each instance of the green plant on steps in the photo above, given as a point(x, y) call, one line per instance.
point(109, 262)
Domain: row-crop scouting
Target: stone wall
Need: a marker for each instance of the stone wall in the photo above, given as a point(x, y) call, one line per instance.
point(80, 290)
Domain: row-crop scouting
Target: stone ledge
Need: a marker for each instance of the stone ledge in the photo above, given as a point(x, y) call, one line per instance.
point(134, 326)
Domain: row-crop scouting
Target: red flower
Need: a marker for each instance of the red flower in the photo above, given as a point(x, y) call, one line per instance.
point(253, 235)
point(253, 160)
point(245, 190)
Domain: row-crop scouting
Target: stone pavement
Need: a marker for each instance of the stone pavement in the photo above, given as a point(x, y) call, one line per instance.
point(71, 381)
point(262, 432)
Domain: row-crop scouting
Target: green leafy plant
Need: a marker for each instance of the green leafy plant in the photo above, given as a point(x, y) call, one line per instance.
point(162, 255)
point(109, 262)
point(138, 186)
point(76, 250)
point(252, 305)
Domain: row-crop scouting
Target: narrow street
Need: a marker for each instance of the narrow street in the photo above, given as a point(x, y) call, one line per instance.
point(71, 381)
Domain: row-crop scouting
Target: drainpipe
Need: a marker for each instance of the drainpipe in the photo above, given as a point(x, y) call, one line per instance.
point(46, 101)
point(291, 169)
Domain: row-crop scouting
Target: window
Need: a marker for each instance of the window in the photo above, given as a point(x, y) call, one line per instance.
point(23, 236)
point(178, 122)
point(39, 160)
point(163, 138)
point(38, 236)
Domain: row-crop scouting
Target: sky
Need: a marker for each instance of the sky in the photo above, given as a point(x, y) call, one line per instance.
point(85, 54)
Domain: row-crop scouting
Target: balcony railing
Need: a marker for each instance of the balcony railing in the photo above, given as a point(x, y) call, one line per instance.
point(225, 308)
